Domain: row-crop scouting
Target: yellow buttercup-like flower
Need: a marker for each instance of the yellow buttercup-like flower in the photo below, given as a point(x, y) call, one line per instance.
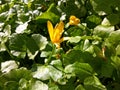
point(74, 20)
point(56, 33)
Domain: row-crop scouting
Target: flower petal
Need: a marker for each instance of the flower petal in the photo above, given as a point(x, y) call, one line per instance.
point(50, 29)
point(74, 20)
point(59, 29)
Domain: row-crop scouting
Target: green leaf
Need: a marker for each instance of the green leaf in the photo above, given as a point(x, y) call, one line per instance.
point(20, 44)
point(113, 37)
point(18, 54)
point(52, 8)
point(93, 20)
point(45, 53)
point(75, 31)
point(93, 83)
point(17, 42)
point(3, 16)
point(42, 73)
point(107, 69)
point(76, 56)
point(2, 47)
point(72, 7)
point(11, 85)
point(53, 86)
point(13, 77)
point(70, 57)
point(4, 36)
point(45, 72)
point(8, 66)
point(7, 30)
point(21, 28)
point(111, 19)
point(48, 16)
point(3, 40)
point(82, 70)
point(37, 85)
point(32, 48)
point(70, 85)
point(1, 26)
point(4, 7)
point(24, 17)
point(100, 6)
point(118, 50)
point(57, 64)
point(75, 39)
point(116, 63)
point(40, 40)
point(103, 31)
point(80, 87)
point(23, 84)
point(55, 74)
point(86, 45)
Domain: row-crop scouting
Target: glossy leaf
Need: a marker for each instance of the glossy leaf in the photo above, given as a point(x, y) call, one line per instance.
point(82, 70)
point(93, 82)
point(8, 66)
point(103, 31)
point(42, 73)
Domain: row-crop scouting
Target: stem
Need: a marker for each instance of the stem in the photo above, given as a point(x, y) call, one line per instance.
point(49, 59)
point(8, 51)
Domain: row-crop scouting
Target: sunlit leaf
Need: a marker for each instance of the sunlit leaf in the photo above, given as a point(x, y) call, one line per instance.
point(42, 73)
point(103, 31)
point(38, 85)
point(113, 37)
point(21, 28)
point(8, 66)
point(45, 72)
point(45, 53)
point(54, 73)
point(75, 39)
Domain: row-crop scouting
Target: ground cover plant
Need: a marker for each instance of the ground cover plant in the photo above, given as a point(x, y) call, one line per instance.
point(59, 45)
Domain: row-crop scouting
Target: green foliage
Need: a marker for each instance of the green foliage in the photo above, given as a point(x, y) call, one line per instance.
point(88, 59)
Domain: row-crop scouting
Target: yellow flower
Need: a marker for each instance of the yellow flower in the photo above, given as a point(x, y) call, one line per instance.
point(56, 33)
point(74, 20)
